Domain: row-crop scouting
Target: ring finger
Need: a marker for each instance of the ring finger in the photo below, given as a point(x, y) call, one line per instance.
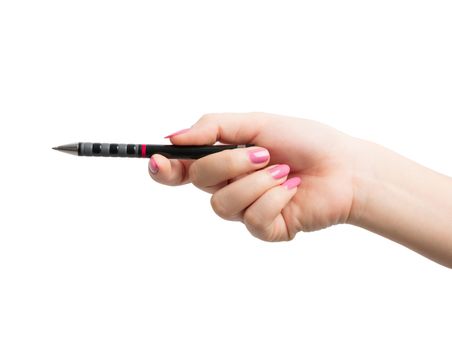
point(229, 201)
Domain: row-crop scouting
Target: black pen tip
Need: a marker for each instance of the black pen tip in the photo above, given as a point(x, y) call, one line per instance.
point(71, 148)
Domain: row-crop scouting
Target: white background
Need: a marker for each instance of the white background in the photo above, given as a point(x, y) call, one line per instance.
point(95, 255)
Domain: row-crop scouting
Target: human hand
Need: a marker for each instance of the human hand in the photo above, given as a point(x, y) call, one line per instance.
point(241, 181)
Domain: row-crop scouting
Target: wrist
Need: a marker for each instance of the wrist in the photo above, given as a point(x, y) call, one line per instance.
point(402, 200)
point(367, 165)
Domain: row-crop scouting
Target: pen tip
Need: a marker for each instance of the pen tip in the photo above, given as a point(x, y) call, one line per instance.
point(71, 148)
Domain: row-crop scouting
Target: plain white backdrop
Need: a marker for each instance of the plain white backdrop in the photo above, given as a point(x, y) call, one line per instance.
point(95, 255)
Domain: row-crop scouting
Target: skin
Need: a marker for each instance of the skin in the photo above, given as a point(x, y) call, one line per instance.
point(343, 180)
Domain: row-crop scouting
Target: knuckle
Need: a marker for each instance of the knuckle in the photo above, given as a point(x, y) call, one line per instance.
point(229, 159)
point(206, 117)
point(262, 180)
point(193, 174)
point(254, 223)
point(218, 206)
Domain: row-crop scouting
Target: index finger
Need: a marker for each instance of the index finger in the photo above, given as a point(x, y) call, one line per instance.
point(231, 128)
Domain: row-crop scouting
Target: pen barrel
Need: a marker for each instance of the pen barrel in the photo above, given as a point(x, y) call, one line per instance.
point(146, 151)
point(185, 152)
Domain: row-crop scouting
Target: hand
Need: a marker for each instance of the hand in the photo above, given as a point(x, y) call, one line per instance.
point(272, 207)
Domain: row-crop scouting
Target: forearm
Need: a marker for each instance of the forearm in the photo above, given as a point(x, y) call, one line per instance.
point(403, 201)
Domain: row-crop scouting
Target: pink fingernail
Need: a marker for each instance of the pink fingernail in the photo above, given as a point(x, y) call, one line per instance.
point(177, 133)
point(153, 166)
point(279, 171)
point(291, 183)
point(259, 156)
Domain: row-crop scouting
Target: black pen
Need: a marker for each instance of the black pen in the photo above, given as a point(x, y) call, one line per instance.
point(141, 150)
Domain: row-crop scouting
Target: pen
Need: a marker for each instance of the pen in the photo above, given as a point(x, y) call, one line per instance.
point(142, 150)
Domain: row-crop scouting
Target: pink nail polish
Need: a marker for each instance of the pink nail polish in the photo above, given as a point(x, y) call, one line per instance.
point(291, 183)
point(259, 156)
point(279, 171)
point(153, 166)
point(177, 133)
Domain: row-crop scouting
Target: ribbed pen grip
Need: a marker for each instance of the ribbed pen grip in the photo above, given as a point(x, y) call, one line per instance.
point(109, 150)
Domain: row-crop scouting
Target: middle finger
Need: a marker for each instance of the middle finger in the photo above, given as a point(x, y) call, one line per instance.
point(218, 168)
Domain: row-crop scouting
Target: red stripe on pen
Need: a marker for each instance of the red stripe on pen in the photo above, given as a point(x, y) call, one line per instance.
point(143, 151)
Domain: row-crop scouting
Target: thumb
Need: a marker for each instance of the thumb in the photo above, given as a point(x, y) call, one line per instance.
point(230, 128)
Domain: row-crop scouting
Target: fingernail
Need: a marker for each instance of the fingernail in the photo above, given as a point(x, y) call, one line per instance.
point(259, 156)
point(291, 183)
point(279, 171)
point(177, 133)
point(153, 166)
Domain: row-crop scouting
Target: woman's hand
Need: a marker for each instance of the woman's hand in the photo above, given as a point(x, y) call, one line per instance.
point(260, 186)
point(304, 176)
